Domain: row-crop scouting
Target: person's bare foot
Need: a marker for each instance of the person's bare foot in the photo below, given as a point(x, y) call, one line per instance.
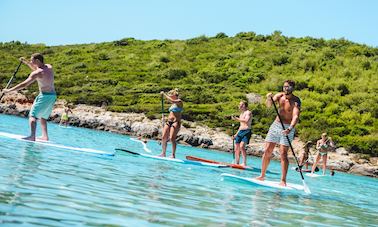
point(162, 155)
point(260, 178)
point(172, 156)
point(30, 138)
point(43, 138)
point(283, 183)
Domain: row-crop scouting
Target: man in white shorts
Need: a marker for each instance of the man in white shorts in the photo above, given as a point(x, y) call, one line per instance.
point(289, 110)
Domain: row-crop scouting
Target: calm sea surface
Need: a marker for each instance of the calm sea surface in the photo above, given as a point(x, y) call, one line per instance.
point(48, 186)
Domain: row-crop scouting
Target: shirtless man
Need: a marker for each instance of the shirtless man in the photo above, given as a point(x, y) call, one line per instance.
point(244, 132)
point(289, 110)
point(44, 102)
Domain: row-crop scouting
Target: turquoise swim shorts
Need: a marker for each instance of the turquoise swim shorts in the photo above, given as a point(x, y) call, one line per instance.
point(43, 105)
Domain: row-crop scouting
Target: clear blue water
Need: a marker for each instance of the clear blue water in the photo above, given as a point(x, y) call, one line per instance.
point(47, 186)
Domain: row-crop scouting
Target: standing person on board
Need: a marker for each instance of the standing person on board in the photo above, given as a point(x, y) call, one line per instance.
point(289, 110)
point(243, 135)
point(44, 102)
point(64, 118)
point(172, 126)
point(323, 146)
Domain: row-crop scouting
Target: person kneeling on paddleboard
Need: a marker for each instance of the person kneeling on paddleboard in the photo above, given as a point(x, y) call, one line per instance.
point(289, 110)
point(172, 126)
point(304, 158)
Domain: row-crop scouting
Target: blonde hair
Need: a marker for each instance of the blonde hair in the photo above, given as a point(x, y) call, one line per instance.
point(173, 92)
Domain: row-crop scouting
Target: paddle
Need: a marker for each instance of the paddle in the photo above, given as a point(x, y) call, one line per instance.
point(233, 142)
point(10, 80)
point(162, 112)
point(305, 187)
point(162, 118)
point(128, 151)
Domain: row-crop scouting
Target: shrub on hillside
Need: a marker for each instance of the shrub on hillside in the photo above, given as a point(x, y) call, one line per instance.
point(221, 35)
point(174, 74)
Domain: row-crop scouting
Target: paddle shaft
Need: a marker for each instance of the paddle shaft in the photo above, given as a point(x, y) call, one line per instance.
point(287, 137)
point(233, 142)
point(162, 110)
point(11, 79)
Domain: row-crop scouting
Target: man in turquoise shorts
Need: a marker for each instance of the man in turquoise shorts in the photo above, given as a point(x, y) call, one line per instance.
point(243, 135)
point(44, 102)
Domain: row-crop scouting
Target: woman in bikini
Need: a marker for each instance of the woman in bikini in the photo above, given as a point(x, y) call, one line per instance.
point(172, 126)
point(323, 146)
point(64, 118)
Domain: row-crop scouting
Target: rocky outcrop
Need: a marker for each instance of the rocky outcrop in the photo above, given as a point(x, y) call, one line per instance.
point(364, 169)
point(342, 151)
point(191, 133)
point(253, 98)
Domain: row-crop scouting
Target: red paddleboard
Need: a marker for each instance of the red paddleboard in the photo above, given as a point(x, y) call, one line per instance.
point(235, 166)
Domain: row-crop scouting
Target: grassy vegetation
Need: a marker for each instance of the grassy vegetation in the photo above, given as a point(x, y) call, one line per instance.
point(337, 80)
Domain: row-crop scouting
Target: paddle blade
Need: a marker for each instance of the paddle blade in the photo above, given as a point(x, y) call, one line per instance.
point(131, 152)
point(306, 188)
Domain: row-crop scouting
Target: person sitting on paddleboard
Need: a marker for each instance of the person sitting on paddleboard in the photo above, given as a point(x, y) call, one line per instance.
point(172, 126)
point(323, 146)
point(44, 102)
point(243, 135)
point(289, 110)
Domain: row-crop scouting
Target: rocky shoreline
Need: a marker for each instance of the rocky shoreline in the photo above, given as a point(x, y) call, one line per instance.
point(136, 124)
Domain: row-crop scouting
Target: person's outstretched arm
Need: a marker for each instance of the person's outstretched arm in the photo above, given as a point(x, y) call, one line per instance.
point(32, 77)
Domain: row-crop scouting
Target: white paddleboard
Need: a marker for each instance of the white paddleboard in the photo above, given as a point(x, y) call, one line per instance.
point(144, 145)
point(172, 159)
point(62, 126)
point(50, 144)
point(314, 175)
point(265, 183)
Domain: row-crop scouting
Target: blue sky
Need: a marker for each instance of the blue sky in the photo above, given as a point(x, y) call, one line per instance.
point(62, 22)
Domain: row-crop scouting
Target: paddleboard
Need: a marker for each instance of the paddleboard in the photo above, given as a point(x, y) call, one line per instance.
point(304, 170)
point(62, 126)
point(265, 183)
point(171, 159)
point(235, 166)
point(144, 145)
point(51, 144)
point(314, 175)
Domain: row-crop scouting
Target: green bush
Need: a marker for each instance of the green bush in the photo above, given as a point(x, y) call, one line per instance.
point(221, 35)
point(174, 74)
